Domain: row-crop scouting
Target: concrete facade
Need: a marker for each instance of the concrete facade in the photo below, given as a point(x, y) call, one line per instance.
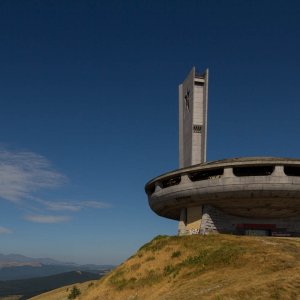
point(218, 196)
point(193, 94)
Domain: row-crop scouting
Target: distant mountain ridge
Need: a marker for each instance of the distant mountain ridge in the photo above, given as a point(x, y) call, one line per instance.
point(26, 288)
point(16, 267)
point(15, 259)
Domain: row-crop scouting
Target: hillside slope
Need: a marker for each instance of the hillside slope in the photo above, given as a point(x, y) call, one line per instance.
point(29, 287)
point(202, 267)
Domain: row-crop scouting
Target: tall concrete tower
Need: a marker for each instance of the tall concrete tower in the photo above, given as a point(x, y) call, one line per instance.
point(193, 94)
point(246, 195)
point(193, 119)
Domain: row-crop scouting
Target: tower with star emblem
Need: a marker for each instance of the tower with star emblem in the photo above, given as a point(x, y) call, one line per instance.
point(193, 94)
point(245, 195)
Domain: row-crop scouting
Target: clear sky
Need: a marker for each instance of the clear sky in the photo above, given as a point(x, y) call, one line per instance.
point(89, 111)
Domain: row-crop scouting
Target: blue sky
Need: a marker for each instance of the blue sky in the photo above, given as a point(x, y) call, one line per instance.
point(88, 93)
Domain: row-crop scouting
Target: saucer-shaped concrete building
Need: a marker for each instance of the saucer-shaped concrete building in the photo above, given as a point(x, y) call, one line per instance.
point(251, 195)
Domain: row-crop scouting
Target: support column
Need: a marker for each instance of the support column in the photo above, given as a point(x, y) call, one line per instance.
point(279, 171)
point(228, 172)
point(193, 219)
point(182, 222)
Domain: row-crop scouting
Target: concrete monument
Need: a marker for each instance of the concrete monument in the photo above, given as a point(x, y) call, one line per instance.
point(250, 195)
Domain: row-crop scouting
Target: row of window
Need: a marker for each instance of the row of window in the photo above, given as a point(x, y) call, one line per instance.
point(197, 128)
point(217, 173)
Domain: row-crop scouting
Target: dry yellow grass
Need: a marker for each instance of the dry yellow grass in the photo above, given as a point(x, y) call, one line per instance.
point(202, 267)
point(63, 292)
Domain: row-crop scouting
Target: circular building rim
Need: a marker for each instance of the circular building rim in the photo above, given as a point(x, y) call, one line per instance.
point(257, 166)
point(269, 187)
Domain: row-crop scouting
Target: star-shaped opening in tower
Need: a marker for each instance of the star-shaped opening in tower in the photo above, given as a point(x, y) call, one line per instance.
point(187, 100)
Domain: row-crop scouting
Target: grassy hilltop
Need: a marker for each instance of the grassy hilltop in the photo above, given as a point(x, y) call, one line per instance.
point(201, 267)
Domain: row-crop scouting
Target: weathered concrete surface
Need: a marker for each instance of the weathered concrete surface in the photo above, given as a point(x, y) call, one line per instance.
point(217, 221)
point(193, 94)
point(271, 196)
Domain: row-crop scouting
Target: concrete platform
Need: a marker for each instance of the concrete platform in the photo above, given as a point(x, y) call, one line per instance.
point(253, 187)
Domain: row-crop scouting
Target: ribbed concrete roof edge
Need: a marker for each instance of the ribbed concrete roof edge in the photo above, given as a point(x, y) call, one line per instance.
point(238, 161)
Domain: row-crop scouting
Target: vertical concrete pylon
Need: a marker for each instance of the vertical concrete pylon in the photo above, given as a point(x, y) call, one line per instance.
point(193, 97)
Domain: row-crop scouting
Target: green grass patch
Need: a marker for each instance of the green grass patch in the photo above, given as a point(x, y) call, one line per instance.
point(156, 244)
point(176, 254)
point(120, 283)
point(135, 267)
point(226, 254)
point(149, 258)
point(169, 269)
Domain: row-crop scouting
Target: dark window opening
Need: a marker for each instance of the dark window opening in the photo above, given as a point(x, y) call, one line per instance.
point(150, 189)
point(197, 128)
point(199, 83)
point(170, 181)
point(292, 170)
point(206, 174)
point(253, 171)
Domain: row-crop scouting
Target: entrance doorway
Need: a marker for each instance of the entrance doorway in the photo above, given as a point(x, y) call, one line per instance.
point(255, 229)
point(257, 232)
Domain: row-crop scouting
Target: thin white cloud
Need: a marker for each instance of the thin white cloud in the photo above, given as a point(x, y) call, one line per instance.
point(72, 205)
point(22, 175)
point(23, 172)
point(46, 219)
point(62, 206)
point(58, 206)
point(4, 230)
point(94, 204)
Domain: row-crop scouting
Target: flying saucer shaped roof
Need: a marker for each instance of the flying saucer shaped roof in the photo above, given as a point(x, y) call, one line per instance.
point(260, 187)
